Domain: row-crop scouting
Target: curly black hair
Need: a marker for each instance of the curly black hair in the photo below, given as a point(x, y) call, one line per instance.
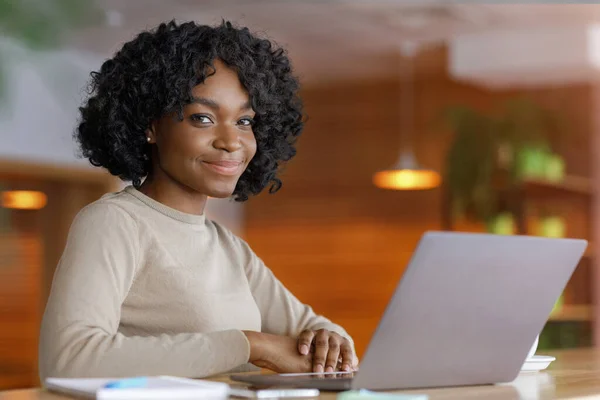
point(153, 75)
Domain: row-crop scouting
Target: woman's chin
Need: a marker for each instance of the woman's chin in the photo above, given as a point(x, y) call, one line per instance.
point(211, 196)
point(217, 188)
point(220, 194)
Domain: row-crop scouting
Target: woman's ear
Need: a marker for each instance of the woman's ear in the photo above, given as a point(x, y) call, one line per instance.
point(150, 134)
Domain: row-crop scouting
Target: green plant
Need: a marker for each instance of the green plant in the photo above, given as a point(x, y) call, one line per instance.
point(486, 144)
point(469, 162)
point(40, 24)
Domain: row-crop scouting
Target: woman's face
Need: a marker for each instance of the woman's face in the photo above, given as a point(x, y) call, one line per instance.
point(211, 147)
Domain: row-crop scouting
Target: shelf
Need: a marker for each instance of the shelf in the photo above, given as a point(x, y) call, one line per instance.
point(574, 313)
point(569, 185)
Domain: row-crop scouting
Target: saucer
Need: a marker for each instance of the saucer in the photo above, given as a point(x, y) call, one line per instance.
point(537, 363)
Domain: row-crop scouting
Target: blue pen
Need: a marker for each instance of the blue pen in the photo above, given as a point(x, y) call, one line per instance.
point(128, 383)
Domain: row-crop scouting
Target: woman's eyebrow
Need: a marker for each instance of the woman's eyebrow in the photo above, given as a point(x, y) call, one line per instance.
point(207, 102)
point(215, 106)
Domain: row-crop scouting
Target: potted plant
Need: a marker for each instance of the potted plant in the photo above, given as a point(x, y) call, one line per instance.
point(512, 141)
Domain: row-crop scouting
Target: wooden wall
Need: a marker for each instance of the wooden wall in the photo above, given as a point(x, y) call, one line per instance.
point(595, 175)
point(341, 244)
point(29, 253)
point(21, 257)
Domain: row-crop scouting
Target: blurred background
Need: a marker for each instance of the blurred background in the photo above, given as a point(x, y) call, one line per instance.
point(422, 116)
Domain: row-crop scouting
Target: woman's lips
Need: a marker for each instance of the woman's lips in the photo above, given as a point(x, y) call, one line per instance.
point(224, 167)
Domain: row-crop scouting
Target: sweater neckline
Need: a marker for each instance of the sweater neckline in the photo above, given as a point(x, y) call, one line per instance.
point(164, 209)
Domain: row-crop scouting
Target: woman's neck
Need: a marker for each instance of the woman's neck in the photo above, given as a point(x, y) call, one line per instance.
point(173, 194)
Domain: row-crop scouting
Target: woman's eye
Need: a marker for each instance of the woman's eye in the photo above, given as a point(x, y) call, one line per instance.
point(203, 119)
point(246, 122)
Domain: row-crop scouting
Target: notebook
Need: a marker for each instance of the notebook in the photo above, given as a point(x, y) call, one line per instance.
point(159, 387)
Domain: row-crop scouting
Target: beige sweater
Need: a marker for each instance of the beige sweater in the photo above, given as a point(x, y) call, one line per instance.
point(143, 289)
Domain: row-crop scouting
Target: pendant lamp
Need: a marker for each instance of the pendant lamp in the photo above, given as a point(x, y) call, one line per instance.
point(406, 173)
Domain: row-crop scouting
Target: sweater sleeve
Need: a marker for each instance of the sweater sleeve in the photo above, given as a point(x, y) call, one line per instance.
point(281, 312)
point(79, 334)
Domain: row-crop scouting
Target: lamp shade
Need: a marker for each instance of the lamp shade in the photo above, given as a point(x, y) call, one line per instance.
point(23, 200)
point(406, 174)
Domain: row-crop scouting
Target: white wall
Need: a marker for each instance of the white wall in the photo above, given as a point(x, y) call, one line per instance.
point(39, 108)
point(527, 57)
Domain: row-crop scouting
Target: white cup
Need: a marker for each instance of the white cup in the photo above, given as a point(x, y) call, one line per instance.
point(534, 347)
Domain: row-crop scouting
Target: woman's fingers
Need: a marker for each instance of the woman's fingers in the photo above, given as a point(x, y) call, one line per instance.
point(321, 349)
point(305, 341)
point(355, 363)
point(333, 355)
point(348, 359)
point(331, 351)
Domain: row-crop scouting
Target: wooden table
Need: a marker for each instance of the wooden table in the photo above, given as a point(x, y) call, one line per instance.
point(574, 375)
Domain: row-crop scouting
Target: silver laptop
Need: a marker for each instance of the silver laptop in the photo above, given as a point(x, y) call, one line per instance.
point(466, 312)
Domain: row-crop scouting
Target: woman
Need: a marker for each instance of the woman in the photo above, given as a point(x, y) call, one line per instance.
point(147, 284)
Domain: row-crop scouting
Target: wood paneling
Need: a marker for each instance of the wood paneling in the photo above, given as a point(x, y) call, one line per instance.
point(21, 264)
point(29, 253)
point(595, 175)
point(18, 169)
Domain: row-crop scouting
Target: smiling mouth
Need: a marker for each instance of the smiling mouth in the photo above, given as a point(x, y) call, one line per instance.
point(229, 168)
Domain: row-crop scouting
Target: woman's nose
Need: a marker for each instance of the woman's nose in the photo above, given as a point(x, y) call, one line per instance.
point(227, 139)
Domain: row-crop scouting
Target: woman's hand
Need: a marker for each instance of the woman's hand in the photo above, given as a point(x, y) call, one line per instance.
point(330, 351)
point(277, 353)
